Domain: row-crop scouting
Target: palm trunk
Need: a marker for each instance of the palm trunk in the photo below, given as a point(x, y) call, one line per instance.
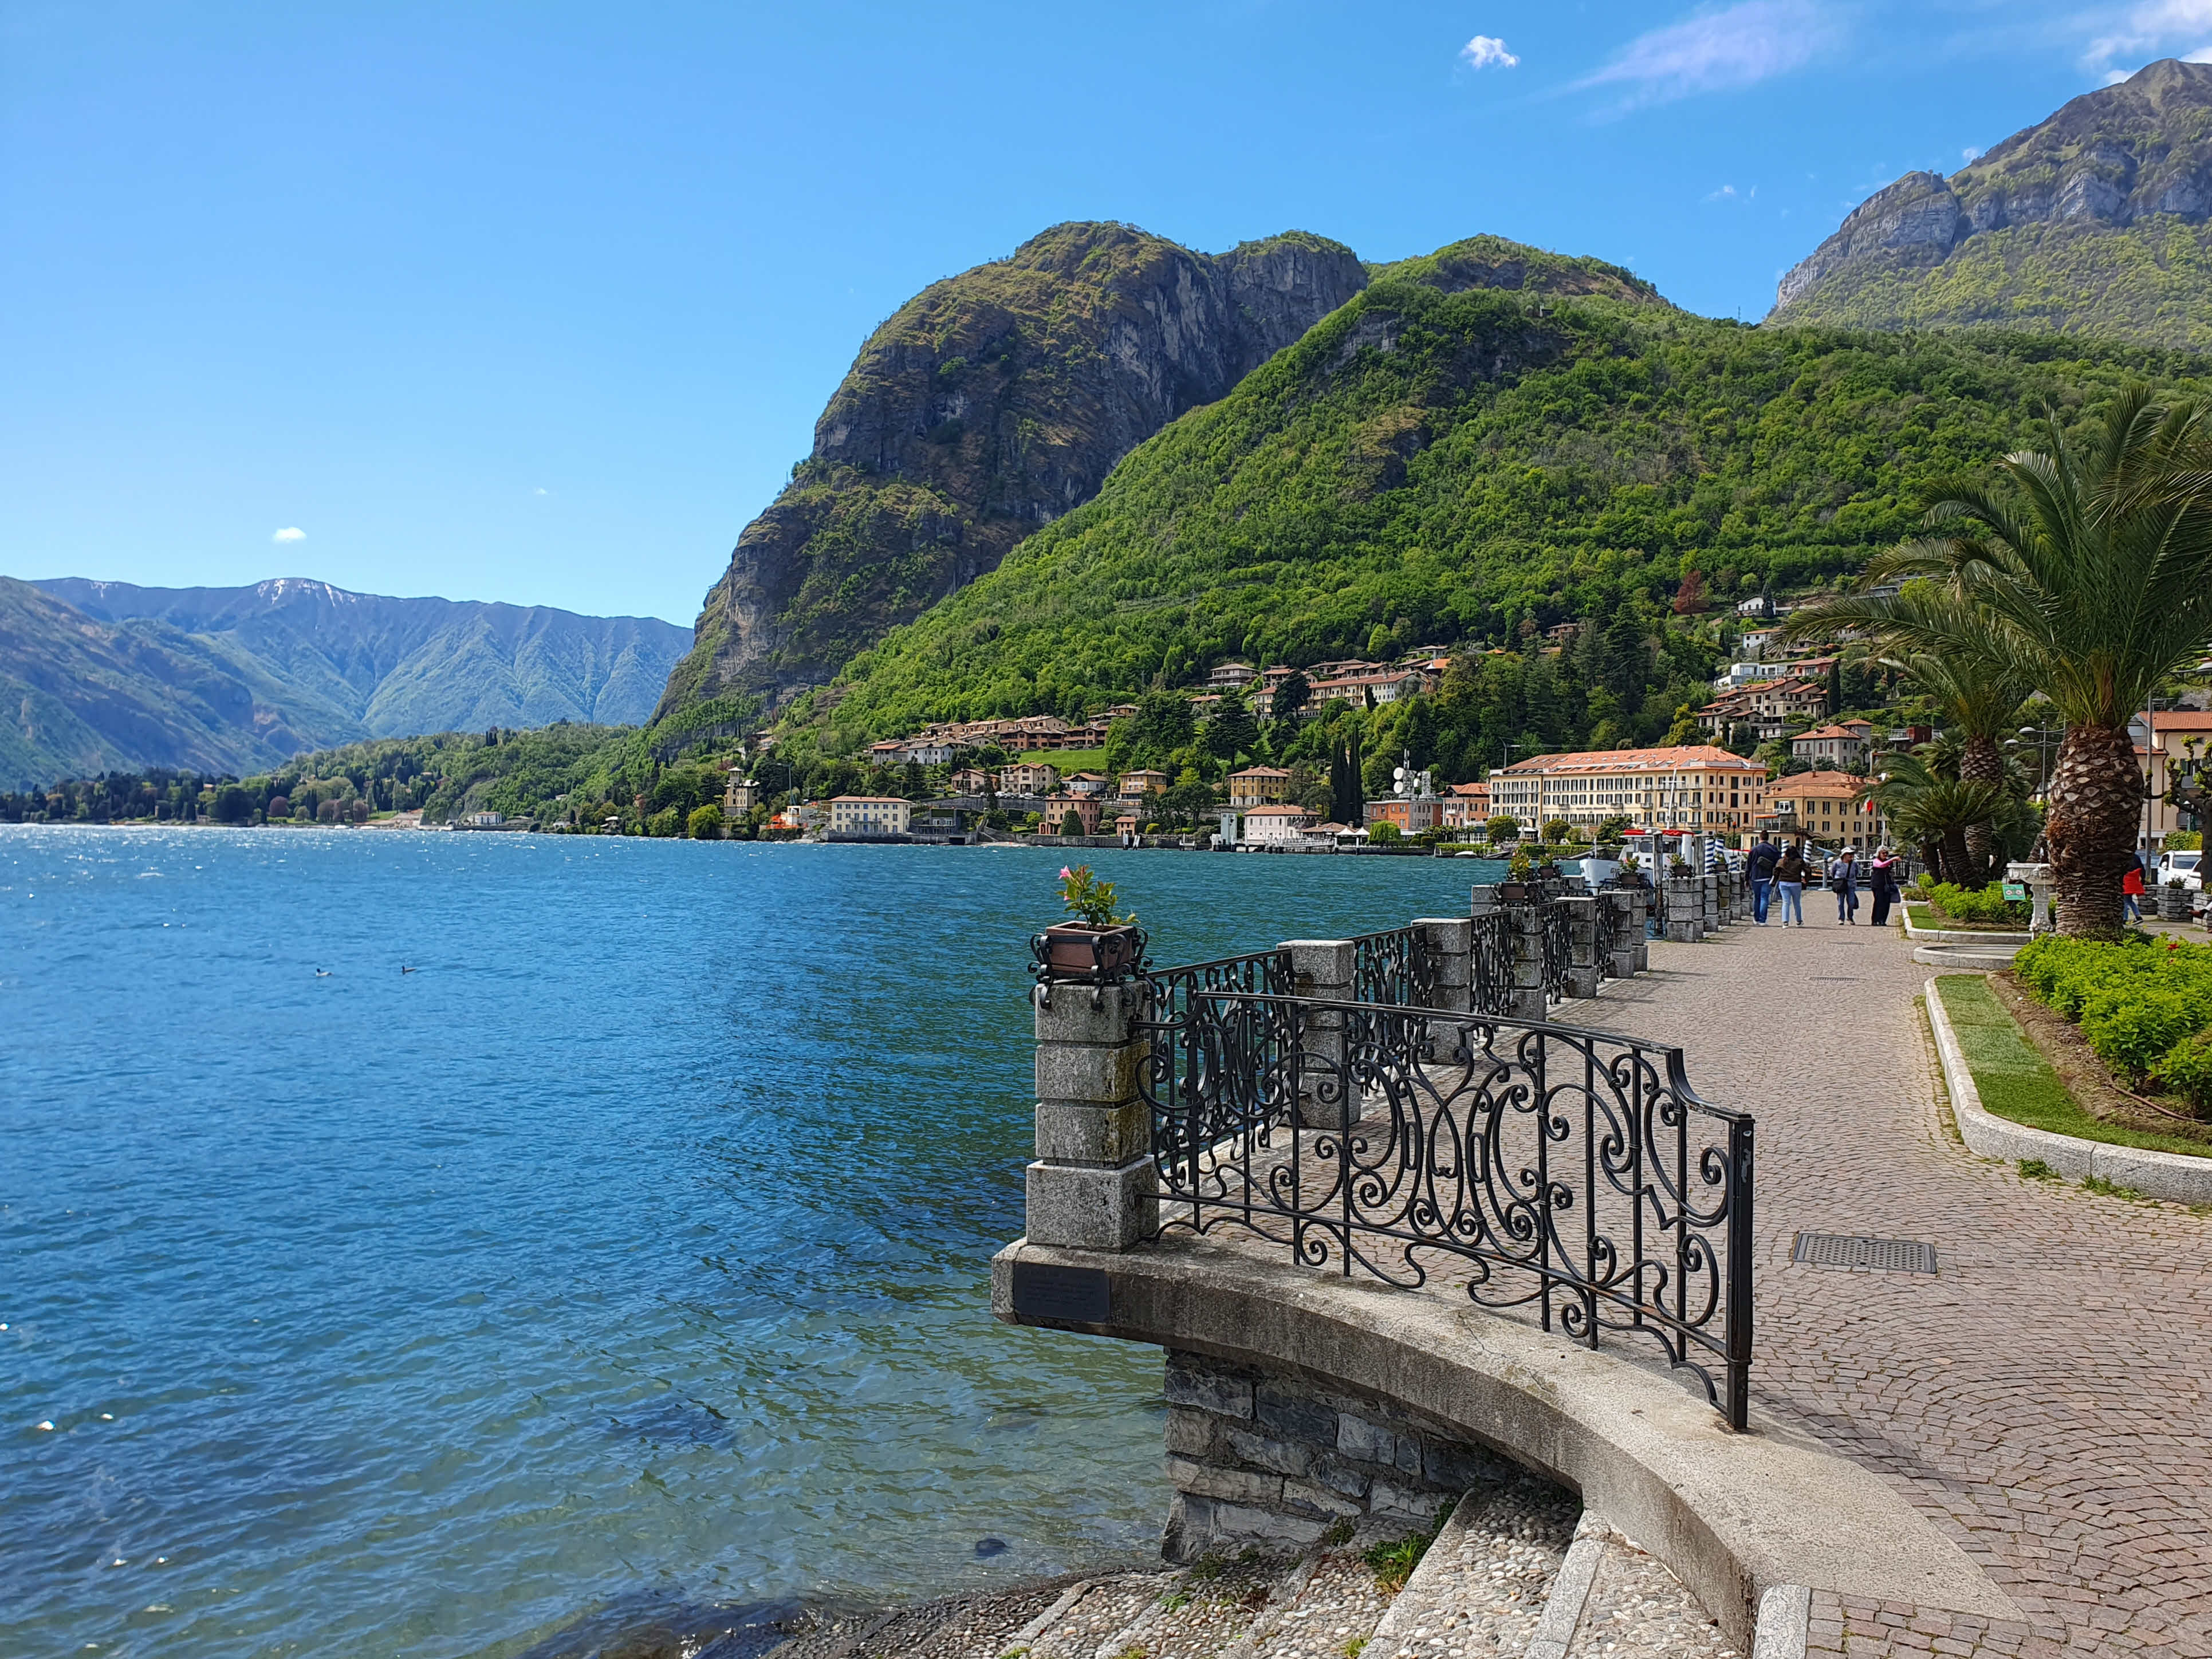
point(1981, 761)
point(2096, 797)
point(1958, 864)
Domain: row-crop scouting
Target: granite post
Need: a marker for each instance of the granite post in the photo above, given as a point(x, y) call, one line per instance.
point(1582, 946)
point(1091, 1187)
point(1323, 968)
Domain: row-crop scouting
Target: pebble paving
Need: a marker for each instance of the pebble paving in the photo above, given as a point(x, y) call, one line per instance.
point(2043, 1398)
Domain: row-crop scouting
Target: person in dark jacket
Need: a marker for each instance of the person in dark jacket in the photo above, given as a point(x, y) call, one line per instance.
point(1881, 881)
point(1759, 865)
point(1789, 883)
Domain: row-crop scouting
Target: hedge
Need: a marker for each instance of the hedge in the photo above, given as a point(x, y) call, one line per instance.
point(1964, 904)
point(2144, 1005)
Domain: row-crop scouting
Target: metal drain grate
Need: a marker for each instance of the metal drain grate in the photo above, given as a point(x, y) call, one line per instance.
point(1890, 1255)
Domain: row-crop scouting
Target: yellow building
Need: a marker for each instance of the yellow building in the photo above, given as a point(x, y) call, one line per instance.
point(1258, 785)
point(1825, 806)
point(1688, 787)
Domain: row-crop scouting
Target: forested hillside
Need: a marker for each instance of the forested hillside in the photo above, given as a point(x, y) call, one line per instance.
point(1431, 468)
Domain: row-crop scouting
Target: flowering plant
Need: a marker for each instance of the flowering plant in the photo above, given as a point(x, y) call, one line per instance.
point(1090, 899)
point(1521, 867)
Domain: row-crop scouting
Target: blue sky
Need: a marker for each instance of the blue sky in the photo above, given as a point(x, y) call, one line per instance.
point(539, 302)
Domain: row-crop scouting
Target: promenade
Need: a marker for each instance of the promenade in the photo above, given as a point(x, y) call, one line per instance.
point(2043, 1397)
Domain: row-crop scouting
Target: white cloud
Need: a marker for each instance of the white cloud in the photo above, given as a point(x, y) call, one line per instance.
point(1971, 153)
point(2154, 28)
point(541, 492)
point(1488, 51)
point(1716, 50)
point(290, 533)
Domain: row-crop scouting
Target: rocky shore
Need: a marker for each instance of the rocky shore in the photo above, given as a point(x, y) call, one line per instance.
point(1480, 1583)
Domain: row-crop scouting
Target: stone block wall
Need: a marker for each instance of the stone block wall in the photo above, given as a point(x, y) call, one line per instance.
point(1274, 1461)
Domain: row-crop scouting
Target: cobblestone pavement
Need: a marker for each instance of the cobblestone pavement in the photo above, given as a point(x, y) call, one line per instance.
point(2042, 1397)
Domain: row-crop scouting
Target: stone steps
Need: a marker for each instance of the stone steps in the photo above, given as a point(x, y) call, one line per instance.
point(1511, 1574)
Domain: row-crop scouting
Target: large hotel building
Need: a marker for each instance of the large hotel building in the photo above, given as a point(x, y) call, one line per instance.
point(1693, 787)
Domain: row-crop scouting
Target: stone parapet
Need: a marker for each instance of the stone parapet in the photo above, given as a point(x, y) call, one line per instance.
point(1583, 965)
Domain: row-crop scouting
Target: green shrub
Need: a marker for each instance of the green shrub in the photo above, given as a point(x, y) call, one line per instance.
point(2186, 1070)
point(1383, 833)
point(1964, 904)
point(2145, 1007)
point(2185, 841)
point(705, 822)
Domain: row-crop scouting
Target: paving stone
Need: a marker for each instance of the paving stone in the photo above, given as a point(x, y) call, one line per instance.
point(2043, 1399)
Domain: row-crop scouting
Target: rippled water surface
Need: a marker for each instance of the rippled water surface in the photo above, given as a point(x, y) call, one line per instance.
point(635, 1244)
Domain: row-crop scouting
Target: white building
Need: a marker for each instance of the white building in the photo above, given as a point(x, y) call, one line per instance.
point(870, 815)
point(1266, 826)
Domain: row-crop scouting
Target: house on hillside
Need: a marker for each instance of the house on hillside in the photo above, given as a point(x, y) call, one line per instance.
point(1258, 785)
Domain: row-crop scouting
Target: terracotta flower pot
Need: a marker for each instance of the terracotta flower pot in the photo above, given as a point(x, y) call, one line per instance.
point(1075, 951)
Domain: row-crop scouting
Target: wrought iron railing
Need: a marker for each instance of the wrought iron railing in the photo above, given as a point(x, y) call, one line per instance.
point(1559, 950)
point(1489, 968)
point(1610, 929)
point(1572, 1171)
point(1393, 967)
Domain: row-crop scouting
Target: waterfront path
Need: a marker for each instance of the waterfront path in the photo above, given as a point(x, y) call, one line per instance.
point(2043, 1398)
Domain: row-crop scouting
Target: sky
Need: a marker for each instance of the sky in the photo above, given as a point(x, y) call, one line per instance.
point(539, 302)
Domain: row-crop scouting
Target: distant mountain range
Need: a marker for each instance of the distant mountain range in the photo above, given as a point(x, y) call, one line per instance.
point(2097, 221)
point(98, 676)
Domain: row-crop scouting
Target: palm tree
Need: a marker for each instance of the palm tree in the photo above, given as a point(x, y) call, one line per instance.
point(2088, 574)
point(1938, 641)
point(1934, 808)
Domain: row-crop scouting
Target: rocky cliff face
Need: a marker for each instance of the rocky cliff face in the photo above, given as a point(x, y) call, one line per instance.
point(989, 404)
point(2086, 224)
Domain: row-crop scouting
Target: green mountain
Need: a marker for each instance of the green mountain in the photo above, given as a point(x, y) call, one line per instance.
point(1429, 467)
point(101, 675)
point(2096, 221)
point(987, 406)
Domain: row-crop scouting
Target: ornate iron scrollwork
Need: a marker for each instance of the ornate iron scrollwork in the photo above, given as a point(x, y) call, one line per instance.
point(1572, 1171)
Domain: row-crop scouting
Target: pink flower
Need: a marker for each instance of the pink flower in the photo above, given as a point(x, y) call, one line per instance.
point(1067, 874)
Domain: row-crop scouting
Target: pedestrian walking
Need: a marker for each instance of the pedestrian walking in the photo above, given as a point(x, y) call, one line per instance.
point(1789, 883)
point(2131, 888)
point(1759, 863)
point(1844, 882)
point(1881, 881)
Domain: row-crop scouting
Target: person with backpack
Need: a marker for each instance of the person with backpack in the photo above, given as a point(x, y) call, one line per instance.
point(1759, 865)
point(1789, 883)
point(1844, 882)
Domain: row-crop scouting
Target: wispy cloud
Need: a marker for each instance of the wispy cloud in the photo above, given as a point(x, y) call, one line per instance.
point(290, 533)
point(2159, 28)
point(1716, 50)
point(1488, 51)
point(541, 491)
point(1730, 193)
point(1971, 153)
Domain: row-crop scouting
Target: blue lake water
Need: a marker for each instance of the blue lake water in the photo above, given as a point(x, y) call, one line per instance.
point(634, 1246)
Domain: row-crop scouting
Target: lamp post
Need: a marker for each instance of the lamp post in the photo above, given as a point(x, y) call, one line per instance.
point(2043, 736)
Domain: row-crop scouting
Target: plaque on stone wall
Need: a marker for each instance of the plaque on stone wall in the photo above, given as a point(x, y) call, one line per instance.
point(1079, 1295)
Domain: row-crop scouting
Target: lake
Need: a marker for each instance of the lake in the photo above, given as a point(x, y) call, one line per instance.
point(631, 1248)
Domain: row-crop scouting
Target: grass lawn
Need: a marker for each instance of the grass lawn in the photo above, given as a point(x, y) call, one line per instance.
point(1927, 915)
point(2017, 1083)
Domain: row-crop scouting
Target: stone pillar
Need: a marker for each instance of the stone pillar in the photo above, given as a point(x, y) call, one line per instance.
point(1091, 1187)
point(1527, 1001)
point(1323, 968)
point(1582, 946)
point(1682, 896)
point(1711, 908)
point(1627, 931)
point(1450, 942)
